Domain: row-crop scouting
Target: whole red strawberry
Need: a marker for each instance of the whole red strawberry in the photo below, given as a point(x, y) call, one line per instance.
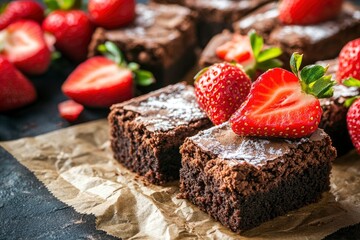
point(15, 89)
point(284, 104)
point(221, 89)
point(22, 9)
point(24, 45)
point(102, 81)
point(306, 12)
point(72, 30)
point(349, 61)
point(353, 123)
point(112, 13)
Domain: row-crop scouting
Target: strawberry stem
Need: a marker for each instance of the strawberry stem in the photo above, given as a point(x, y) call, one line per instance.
point(265, 59)
point(111, 51)
point(3, 7)
point(351, 82)
point(312, 78)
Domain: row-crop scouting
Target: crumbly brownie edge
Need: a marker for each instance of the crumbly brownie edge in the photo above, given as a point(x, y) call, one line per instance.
point(211, 191)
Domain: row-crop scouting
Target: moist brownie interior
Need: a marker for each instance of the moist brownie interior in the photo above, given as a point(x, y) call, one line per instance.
point(146, 132)
point(243, 182)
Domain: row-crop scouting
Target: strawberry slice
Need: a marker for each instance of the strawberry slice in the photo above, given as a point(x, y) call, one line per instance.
point(281, 105)
point(21, 9)
point(99, 82)
point(15, 89)
point(23, 44)
point(102, 81)
point(305, 12)
point(250, 52)
point(238, 50)
point(70, 110)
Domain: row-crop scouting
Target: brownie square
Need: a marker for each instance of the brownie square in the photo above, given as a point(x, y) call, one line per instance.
point(161, 39)
point(317, 42)
point(333, 119)
point(217, 15)
point(243, 181)
point(147, 131)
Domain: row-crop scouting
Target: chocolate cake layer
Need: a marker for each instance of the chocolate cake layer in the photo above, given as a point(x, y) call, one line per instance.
point(217, 15)
point(146, 132)
point(317, 42)
point(161, 39)
point(243, 181)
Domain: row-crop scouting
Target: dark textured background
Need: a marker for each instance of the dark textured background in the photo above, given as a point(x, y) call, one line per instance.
point(27, 209)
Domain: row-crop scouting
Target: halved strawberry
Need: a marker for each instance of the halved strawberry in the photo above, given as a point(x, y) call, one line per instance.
point(21, 9)
point(99, 82)
point(102, 81)
point(15, 89)
point(249, 51)
point(305, 12)
point(220, 90)
point(23, 44)
point(70, 110)
point(284, 104)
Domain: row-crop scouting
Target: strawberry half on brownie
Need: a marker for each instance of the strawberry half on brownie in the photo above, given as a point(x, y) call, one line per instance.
point(269, 158)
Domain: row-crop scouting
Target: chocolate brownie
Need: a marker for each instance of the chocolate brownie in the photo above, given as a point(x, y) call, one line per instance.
point(161, 39)
point(217, 15)
point(147, 131)
point(317, 42)
point(333, 120)
point(244, 181)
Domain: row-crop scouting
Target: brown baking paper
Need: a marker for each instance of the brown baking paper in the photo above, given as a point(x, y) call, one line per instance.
point(76, 165)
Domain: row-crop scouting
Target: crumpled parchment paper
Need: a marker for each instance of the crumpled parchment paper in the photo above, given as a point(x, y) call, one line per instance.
point(76, 165)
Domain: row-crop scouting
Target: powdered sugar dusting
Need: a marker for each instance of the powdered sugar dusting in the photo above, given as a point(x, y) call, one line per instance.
point(224, 143)
point(170, 109)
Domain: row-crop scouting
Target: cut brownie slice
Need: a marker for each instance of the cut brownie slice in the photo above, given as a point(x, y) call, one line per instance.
point(217, 15)
point(333, 119)
point(147, 131)
point(161, 39)
point(317, 42)
point(243, 182)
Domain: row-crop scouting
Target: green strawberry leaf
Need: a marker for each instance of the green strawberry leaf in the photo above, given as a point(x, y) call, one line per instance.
point(351, 82)
point(55, 55)
point(322, 88)
point(295, 62)
point(62, 4)
point(268, 54)
point(350, 101)
point(256, 42)
point(143, 78)
point(112, 52)
point(311, 73)
point(3, 7)
point(268, 64)
point(133, 66)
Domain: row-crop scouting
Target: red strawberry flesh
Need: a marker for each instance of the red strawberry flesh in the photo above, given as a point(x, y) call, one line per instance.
point(70, 110)
point(353, 123)
point(277, 107)
point(24, 45)
point(99, 82)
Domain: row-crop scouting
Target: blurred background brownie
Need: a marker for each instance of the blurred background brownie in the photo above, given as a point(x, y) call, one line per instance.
point(217, 15)
point(162, 40)
point(333, 120)
point(243, 182)
point(317, 42)
point(147, 131)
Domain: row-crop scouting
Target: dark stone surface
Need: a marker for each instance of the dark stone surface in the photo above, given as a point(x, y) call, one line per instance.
point(27, 208)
